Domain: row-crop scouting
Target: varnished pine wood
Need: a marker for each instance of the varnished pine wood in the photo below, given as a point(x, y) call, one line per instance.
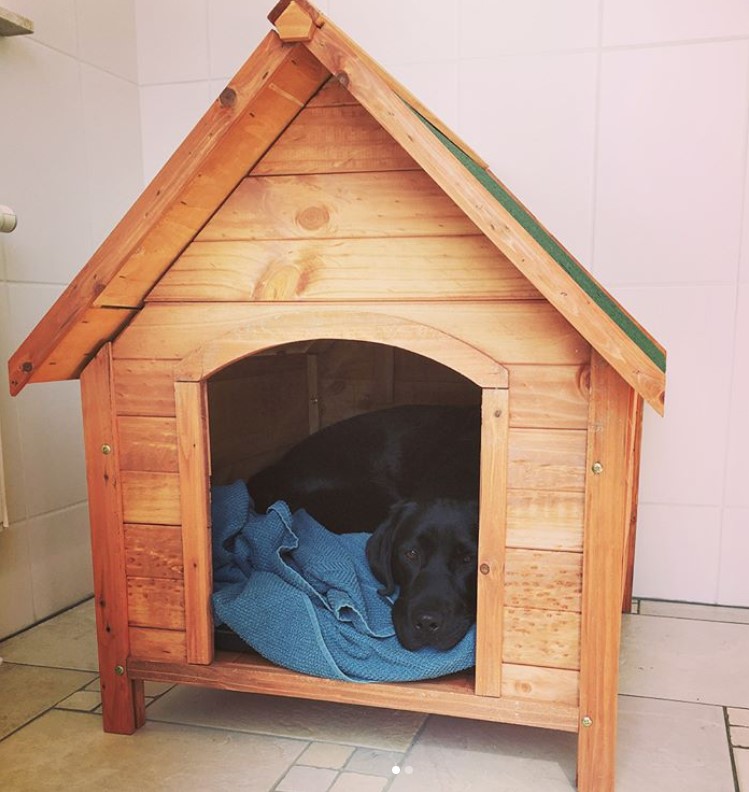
point(545, 520)
point(151, 498)
point(131, 398)
point(606, 514)
point(332, 323)
point(543, 579)
point(336, 138)
point(147, 443)
point(512, 332)
point(550, 397)
point(122, 696)
point(545, 638)
point(633, 483)
point(547, 459)
point(75, 349)
point(264, 96)
point(194, 473)
point(154, 645)
point(293, 23)
point(337, 206)
point(491, 550)
point(412, 268)
point(367, 84)
point(154, 551)
point(156, 602)
point(451, 696)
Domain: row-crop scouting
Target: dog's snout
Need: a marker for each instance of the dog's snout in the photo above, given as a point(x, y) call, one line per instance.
point(428, 623)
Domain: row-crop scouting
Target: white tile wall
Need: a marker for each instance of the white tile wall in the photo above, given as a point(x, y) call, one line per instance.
point(487, 29)
point(532, 117)
point(394, 32)
point(15, 580)
point(172, 39)
point(54, 22)
point(672, 140)
point(70, 136)
point(106, 31)
point(44, 168)
point(678, 550)
point(111, 108)
point(622, 123)
point(683, 456)
point(628, 22)
point(60, 558)
point(737, 468)
point(235, 28)
point(732, 587)
point(168, 113)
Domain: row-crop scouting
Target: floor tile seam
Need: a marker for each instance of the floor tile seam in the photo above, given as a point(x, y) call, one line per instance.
point(39, 715)
point(286, 772)
point(679, 701)
point(52, 707)
point(347, 764)
point(227, 729)
point(691, 602)
point(45, 620)
point(75, 669)
point(688, 618)
point(731, 757)
point(307, 741)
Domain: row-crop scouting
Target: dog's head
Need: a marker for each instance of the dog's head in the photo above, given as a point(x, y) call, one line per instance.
point(428, 550)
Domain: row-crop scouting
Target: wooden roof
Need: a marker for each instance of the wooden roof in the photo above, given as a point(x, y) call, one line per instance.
point(263, 98)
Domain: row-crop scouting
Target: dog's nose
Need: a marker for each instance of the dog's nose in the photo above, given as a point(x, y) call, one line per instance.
point(428, 623)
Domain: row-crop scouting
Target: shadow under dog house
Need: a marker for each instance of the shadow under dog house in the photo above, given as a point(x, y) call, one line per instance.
point(319, 216)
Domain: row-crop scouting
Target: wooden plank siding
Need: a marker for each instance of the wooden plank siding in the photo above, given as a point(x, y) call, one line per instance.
point(334, 215)
point(508, 331)
point(342, 269)
point(341, 138)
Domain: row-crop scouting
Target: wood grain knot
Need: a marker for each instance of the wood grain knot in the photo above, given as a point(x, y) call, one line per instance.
point(228, 97)
point(313, 217)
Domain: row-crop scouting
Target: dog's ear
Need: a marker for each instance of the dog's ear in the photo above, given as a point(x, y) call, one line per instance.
point(380, 547)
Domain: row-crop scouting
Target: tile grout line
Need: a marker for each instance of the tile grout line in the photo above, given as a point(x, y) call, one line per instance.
point(731, 756)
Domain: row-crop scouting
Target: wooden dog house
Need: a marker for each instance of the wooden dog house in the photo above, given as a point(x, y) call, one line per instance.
point(320, 245)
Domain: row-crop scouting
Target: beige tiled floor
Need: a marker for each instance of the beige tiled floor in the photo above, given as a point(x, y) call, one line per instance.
point(683, 725)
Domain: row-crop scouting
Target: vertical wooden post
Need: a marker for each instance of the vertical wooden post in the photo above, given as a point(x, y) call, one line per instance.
point(606, 516)
point(194, 455)
point(492, 534)
point(632, 501)
point(123, 703)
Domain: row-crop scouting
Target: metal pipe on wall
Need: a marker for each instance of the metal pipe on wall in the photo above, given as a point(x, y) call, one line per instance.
point(8, 220)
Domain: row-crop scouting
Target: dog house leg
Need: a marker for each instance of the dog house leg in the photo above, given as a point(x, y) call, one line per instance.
point(123, 703)
point(606, 515)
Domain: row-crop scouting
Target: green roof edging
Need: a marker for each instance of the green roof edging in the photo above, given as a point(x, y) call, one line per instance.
point(552, 247)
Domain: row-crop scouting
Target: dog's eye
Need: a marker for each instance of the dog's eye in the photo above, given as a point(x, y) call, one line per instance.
point(412, 554)
point(468, 558)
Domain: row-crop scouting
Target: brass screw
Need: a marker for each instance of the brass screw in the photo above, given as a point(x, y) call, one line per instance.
point(484, 569)
point(106, 449)
point(597, 468)
point(587, 721)
point(119, 670)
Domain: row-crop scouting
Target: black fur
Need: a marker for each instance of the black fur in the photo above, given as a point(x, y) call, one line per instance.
point(408, 475)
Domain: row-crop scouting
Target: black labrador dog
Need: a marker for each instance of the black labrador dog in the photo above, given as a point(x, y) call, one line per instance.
point(410, 476)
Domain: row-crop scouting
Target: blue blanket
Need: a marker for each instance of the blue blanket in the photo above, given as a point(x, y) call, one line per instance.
point(305, 598)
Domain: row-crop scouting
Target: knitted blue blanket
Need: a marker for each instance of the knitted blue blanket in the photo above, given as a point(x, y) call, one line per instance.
point(305, 598)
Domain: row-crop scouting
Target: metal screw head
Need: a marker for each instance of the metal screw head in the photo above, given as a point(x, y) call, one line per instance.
point(106, 449)
point(597, 468)
point(587, 721)
point(119, 670)
point(484, 569)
